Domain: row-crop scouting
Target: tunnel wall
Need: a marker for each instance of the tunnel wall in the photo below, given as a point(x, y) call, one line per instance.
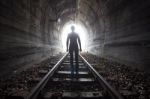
point(127, 38)
point(26, 34)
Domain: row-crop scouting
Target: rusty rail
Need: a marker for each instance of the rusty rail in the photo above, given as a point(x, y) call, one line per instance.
point(38, 88)
point(113, 93)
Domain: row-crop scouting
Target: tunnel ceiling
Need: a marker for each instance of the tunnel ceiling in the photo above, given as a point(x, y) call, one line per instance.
point(62, 9)
point(84, 11)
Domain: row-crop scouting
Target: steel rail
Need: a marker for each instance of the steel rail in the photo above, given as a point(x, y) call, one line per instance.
point(38, 88)
point(114, 94)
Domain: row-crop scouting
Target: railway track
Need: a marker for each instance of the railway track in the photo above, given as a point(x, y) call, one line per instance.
point(57, 83)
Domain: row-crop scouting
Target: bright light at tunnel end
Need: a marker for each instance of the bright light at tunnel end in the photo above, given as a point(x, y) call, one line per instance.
point(79, 29)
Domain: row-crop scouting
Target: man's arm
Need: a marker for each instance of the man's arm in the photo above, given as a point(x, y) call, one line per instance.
point(79, 43)
point(67, 42)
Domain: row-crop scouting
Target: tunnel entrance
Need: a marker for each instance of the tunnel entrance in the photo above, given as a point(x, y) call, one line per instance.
point(79, 29)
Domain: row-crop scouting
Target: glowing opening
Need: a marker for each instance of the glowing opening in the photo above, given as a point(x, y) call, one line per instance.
point(78, 29)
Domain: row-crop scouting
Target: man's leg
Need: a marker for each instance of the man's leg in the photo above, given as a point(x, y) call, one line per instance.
point(76, 59)
point(71, 63)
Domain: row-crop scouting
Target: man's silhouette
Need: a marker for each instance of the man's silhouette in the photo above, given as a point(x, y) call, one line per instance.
point(73, 48)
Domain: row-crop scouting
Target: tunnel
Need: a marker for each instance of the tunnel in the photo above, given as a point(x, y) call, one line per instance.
point(34, 30)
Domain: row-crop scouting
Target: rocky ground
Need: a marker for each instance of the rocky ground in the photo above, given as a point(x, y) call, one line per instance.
point(130, 82)
point(20, 83)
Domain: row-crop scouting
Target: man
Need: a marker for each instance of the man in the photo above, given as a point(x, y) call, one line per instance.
point(73, 48)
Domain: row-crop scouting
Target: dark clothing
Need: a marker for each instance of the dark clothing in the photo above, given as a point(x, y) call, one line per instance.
point(73, 42)
point(73, 49)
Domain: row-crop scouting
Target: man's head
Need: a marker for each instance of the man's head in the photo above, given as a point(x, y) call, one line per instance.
point(72, 28)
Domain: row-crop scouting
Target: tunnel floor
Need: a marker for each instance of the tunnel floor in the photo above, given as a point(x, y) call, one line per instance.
point(131, 83)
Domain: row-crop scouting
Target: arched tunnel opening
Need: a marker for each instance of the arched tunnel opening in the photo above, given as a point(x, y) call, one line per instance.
point(80, 30)
point(114, 34)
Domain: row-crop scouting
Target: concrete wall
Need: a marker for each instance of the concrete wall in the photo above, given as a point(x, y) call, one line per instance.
point(26, 34)
point(119, 30)
point(128, 37)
